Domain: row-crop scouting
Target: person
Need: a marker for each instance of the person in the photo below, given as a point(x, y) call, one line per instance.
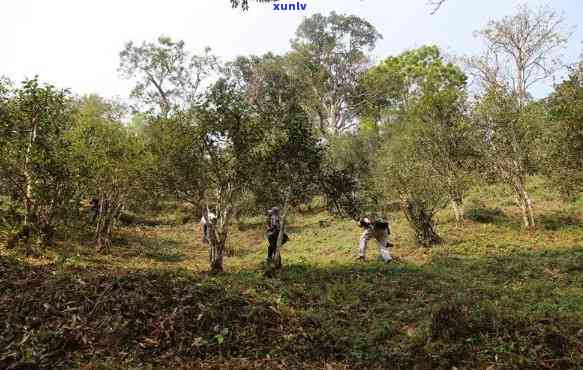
point(94, 209)
point(205, 226)
point(379, 230)
point(273, 227)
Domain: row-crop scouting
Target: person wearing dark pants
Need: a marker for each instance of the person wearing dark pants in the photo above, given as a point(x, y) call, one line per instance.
point(273, 227)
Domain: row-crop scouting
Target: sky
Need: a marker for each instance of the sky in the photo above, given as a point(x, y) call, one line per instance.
point(75, 44)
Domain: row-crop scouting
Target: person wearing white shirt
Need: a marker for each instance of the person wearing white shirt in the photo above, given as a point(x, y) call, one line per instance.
point(205, 228)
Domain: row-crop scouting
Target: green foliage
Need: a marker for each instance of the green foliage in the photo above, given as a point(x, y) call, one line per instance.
point(564, 138)
point(34, 156)
point(110, 162)
point(417, 102)
point(404, 175)
point(287, 160)
point(511, 139)
point(168, 76)
point(179, 165)
point(329, 56)
point(345, 177)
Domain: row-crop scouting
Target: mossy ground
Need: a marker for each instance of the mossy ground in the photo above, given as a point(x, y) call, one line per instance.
point(493, 296)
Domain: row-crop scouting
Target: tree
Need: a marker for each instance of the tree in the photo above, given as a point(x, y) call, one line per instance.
point(445, 140)
point(228, 135)
point(511, 136)
point(329, 56)
point(34, 156)
point(416, 101)
point(290, 154)
point(421, 85)
point(167, 75)
point(564, 140)
point(408, 176)
point(201, 143)
point(521, 50)
point(110, 163)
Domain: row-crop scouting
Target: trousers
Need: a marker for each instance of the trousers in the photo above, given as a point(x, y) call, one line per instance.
point(382, 238)
point(272, 240)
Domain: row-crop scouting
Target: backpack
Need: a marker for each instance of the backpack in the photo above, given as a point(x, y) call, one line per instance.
point(381, 225)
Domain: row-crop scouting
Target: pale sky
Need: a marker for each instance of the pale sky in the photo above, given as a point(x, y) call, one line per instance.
point(76, 43)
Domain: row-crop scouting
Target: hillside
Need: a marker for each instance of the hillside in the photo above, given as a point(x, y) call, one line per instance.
point(491, 297)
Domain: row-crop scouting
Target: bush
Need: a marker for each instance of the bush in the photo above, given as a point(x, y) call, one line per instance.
point(485, 215)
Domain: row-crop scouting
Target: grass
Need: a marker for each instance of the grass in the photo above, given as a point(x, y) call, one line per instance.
point(491, 297)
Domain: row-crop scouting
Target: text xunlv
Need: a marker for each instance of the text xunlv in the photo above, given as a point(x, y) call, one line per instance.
point(290, 6)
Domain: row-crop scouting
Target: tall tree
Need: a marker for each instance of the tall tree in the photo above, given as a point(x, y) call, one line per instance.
point(432, 93)
point(290, 154)
point(330, 55)
point(228, 135)
point(167, 75)
point(511, 135)
point(522, 50)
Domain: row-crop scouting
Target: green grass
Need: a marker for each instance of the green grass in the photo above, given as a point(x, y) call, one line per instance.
point(492, 296)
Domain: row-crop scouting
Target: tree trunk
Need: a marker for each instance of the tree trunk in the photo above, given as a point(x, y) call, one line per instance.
point(277, 263)
point(217, 237)
point(29, 218)
point(530, 209)
point(108, 213)
point(216, 249)
point(422, 223)
point(525, 203)
point(522, 205)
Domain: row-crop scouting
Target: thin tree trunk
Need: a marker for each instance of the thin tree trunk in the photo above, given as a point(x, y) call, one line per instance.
point(277, 263)
point(28, 180)
point(525, 203)
point(101, 240)
point(109, 212)
point(422, 223)
point(520, 202)
point(529, 209)
point(217, 238)
point(216, 255)
point(29, 202)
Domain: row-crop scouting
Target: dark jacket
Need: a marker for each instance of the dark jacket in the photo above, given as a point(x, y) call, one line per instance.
point(378, 225)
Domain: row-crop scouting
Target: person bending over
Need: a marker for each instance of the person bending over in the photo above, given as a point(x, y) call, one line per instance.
point(379, 230)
